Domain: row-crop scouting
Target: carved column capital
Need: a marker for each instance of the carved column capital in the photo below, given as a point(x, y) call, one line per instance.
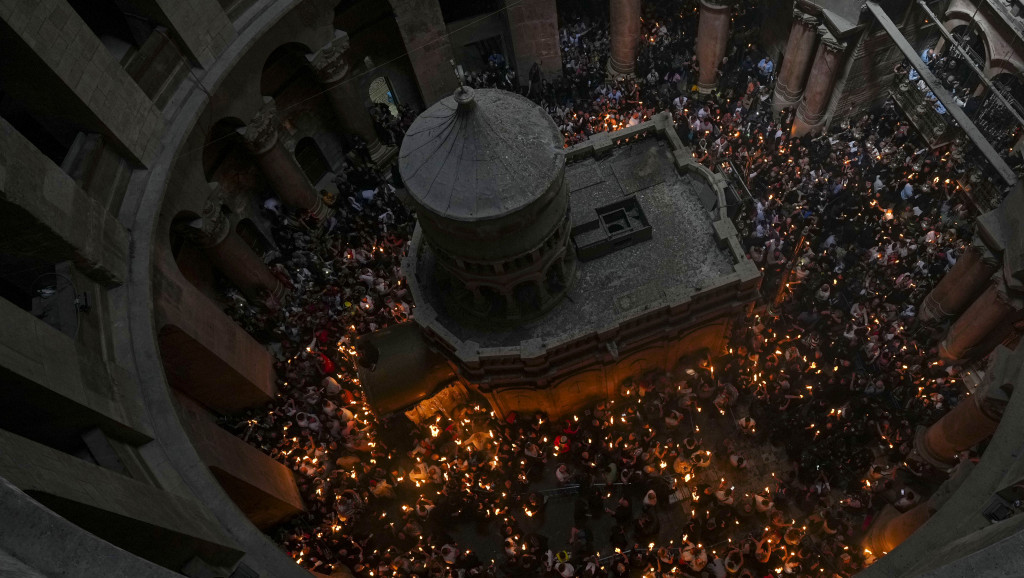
point(830, 42)
point(805, 19)
point(212, 227)
point(330, 63)
point(261, 132)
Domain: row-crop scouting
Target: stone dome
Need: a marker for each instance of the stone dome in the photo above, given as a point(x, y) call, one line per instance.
point(480, 154)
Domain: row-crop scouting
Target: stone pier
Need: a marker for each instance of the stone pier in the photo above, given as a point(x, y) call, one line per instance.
point(712, 38)
point(962, 285)
point(810, 116)
point(625, 24)
point(988, 319)
point(973, 420)
point(279, 164)
point(231, 255)
point(534, 28)
point(796, 63)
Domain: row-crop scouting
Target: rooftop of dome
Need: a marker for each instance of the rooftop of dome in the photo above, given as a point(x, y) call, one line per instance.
point(480, 154)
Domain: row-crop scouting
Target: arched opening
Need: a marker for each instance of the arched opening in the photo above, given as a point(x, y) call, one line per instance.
point(311, 159)
point(1012, 88)
point(994, 119)
point(527, 297)
point(462, 295)
point(286, 75)
point(226, 159)
point(554, 279)
point(375, 36)
point(495, 302)
point(970, 39)
point(381, 93)
point(192, 263)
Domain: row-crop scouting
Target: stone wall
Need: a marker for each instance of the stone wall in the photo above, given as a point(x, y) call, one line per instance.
point(42, 212)
point(203, 27)
point(140, 518)
point(79, 554)
point(57, 35)
point(62, 384)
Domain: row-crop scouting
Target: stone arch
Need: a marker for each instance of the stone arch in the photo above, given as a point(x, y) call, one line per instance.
point(192, 263)
point(223, 148)
point(1011, 85)
point(978, 40)
point(580, 390)
point(282, 67)
point(381, 93)
point(1005, 69)
point(636, 364)
point(554, 278)
point(177, 231)
point(461, 294)
point(495, 302)
point(527, 296)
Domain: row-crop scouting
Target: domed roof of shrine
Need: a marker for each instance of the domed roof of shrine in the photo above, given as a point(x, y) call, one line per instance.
point(481, 154)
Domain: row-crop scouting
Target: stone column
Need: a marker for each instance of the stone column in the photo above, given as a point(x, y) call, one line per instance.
point(230, 254)
point(989, 314)
point(971, 421)
point(534, 28)
point(421, 25)
point(961, 285)
point(712, 36)
point(343, 91)
point(810, 116)
point(625, 32)
point(892, 528)
point(279, 164)
point(796, 63)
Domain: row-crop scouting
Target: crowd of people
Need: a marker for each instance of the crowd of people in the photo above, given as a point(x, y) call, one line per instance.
point(770, 457)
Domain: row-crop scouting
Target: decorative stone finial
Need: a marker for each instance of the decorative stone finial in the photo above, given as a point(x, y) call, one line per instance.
point(463, 96)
